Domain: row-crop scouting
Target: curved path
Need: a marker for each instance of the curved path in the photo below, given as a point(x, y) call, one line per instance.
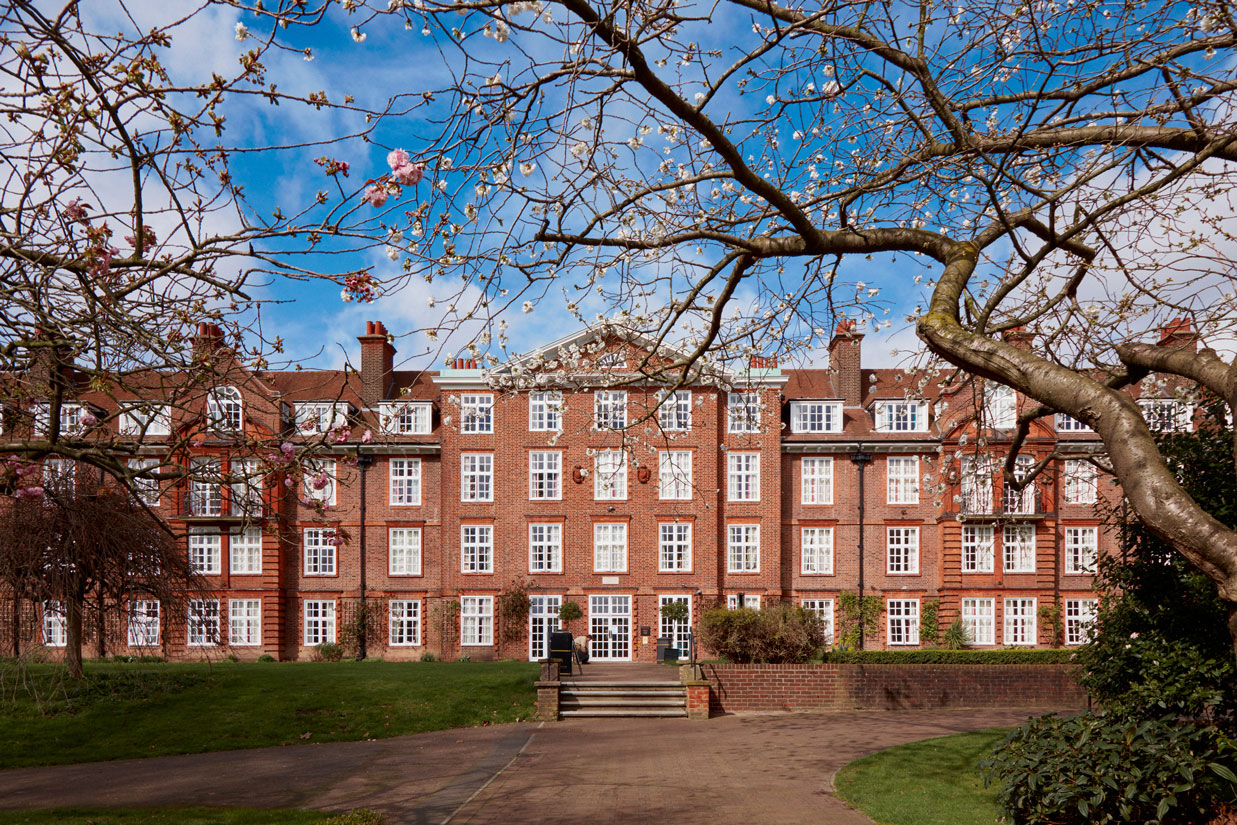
point(766, 769)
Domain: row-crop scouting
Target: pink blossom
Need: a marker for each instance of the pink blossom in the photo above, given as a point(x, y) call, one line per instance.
point(409, 174)
point(89, 420)
point(367, 437)
point(375, 196)
point(397, 158)
point(320, 481)
point(28, 492)
point(287, 448)
point(75, 210)
point(288, 482)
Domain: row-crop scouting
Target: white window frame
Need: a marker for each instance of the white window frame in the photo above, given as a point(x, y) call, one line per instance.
point(1001, 405)
point(823, 608)
point(674, 475)
point(206, 487)
point(55, 628)
point(315, 467)
point(319, 621)
point(143, 624)
point(60, 474)
point(404, 482)
point(1081, 550)
point(902, 550)
point(901, 416)
point(816, 551)
point(205, 555)
point(675, 413)
point(1018, 548)
point(545, 475)
point(317, 417)
point(406, 417)
point(674, 547)
point(1167, 415)
point(225, 409)
point(70, 418)
point(145, 419)
point(1080, 616)
point(145, 490)
point(743, 412)
point(816, 480)
point(404, 623)
point(1069, 424)
point(248, 490)
point(978, 616)
point(476, 621)
point(545, 547)
point(815, 416)
point(476, 548)
point(476, 477)
point(902, 622)
point(245, 622)
point(751, 601)
point(743, 548)
point(975, 485)
point(978, 548)
point(609, 409)
point(202, 629)
point(610, 475)
point(902, 479)
point(318, 552)
point(545, 411)
point(610, 547)
point(245, 551)
point(1019, 622)
point(1079, 482)
point(477, 412)
point(742, 476)
point(1021, 502)
point(403, 551)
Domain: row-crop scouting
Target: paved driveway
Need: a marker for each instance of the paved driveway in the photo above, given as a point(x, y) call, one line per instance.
point(764, 769)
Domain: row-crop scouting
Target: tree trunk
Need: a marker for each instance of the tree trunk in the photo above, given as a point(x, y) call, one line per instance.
point(100, 628)
point(16, 641)
point(73, 636)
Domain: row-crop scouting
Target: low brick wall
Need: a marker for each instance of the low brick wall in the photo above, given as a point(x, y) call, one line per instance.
point(738, 688)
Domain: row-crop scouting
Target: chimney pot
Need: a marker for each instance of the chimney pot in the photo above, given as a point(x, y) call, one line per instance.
point(369, 327)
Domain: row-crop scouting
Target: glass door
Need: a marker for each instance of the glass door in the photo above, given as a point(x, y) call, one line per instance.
point(609, 628)
point(542, 620)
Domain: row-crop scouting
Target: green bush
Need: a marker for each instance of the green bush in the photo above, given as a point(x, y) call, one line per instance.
point(1100, 769)
point(1013, 656)
point(779, 633)
point(266, 657)
point(328, 652)
point(361, 816)
point(428, 657)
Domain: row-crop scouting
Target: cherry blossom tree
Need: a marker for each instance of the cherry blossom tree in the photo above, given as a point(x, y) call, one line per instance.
point(1051, 180)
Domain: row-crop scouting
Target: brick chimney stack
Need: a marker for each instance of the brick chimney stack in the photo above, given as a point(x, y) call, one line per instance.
point(1179, 334)
point(844, 351)
point(208, 340)
point(377, 362)
point(1019, 337)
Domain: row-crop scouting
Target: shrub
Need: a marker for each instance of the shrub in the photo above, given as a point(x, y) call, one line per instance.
point(779, 633)
point(956, 636)
point(361, 816)
point(428, 657)
point(569, 612)
point(266, 657)
point(1013, 656)
point(1097, 768)
point(328, 652)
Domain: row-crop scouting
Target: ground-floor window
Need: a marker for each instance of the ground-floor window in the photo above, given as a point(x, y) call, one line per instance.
point(902, 617)
point(245, 622)
point(55, 633)
point(1079, 620)
point(319, 622)
point(979, 621)
point(749, 600)
point(203, 622)
point(404, 622)
point(542, 621)
point(824, 609)
point(1020, 621)
point(609, 627)
point(143, 623)
point(476, 620)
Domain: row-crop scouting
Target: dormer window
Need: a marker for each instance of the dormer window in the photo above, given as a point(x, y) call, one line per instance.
point(70, 418)
point(146, 419)
point(406, 417)
point(901, 416)
point(320, 416)
point(1068, 424)
point(816, 416)
point(224, 409)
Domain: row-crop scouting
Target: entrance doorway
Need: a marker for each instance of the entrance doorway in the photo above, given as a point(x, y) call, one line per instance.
point(542, 620)
point(609, 628)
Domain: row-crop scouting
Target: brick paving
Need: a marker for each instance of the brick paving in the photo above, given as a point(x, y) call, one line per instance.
point(767, 769)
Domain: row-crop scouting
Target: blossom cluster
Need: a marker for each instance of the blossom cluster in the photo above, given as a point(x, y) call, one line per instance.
point(358, 287)
point(403, 173)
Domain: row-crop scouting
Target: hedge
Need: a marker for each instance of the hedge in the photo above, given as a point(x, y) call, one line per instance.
point(949, 657)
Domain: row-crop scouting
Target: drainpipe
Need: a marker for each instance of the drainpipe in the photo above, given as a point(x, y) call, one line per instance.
point(861, 459)
point(362, 462)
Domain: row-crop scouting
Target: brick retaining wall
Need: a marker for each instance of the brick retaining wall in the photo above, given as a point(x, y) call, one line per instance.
point(890, 687)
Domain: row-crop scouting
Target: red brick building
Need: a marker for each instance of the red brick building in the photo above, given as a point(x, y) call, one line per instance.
point(561, 477)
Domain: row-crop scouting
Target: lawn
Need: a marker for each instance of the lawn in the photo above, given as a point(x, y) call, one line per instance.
point(933, 782)
point(135, 710)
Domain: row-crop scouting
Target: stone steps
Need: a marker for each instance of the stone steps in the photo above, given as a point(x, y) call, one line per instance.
point(622, 699)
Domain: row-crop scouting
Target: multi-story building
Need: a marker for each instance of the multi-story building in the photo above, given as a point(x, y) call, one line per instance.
point(437, 497)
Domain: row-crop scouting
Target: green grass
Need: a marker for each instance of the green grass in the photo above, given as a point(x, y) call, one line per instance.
point(933, 782)
point(162, 816)
point(135, 710)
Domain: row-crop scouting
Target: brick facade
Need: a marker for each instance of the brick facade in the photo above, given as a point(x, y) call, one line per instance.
point(473, 529)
